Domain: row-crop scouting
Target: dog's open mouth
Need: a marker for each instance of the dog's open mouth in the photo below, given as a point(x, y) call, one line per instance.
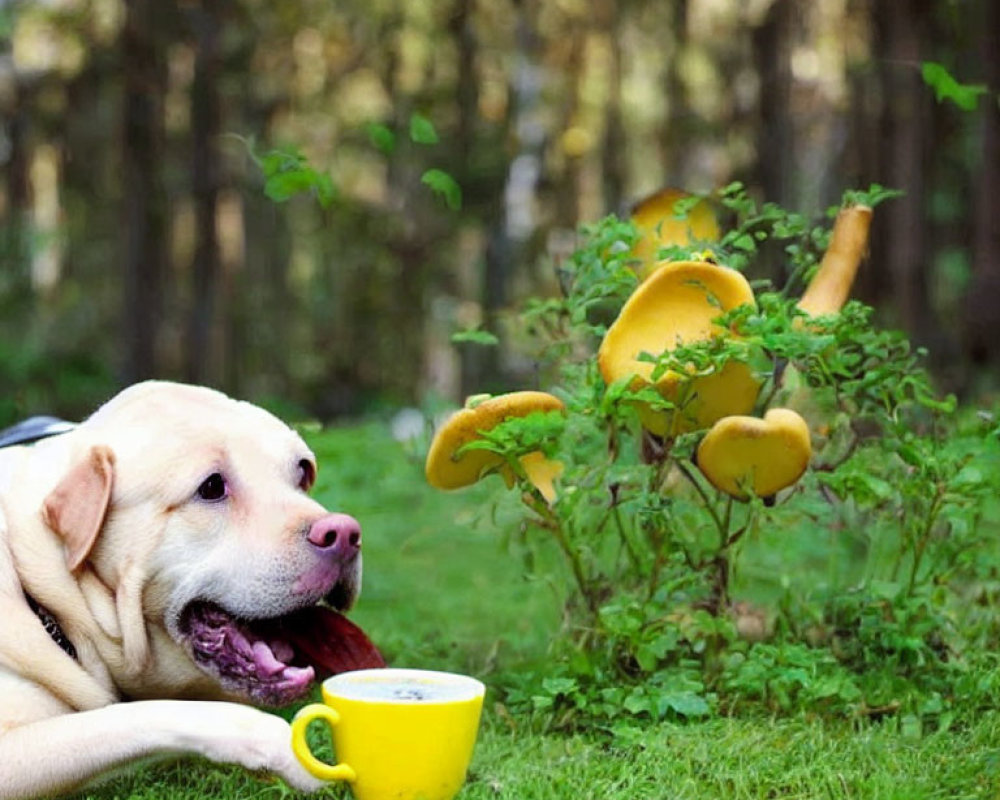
point(274, 661)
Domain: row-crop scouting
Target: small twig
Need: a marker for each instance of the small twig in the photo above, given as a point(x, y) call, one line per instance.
point(777, 377)
point(924, 537)
point(704, 496)
point(533, 499)
point(626, 539)
point(830, 466)
point(726, 522)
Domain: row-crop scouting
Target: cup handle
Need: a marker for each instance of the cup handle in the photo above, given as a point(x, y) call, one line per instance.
point(320, 769)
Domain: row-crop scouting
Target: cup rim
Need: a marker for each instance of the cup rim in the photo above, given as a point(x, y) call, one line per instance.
point(335, 684)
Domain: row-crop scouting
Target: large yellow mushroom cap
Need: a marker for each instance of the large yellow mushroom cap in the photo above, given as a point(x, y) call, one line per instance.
point(678, 304)
point(745, 454)
point(660, 227)
point(446, 468)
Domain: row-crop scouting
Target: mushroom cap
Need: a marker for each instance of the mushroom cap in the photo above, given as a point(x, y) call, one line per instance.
point(654, 217)
point(762, 456)
point(446, 468)
point(677, 305)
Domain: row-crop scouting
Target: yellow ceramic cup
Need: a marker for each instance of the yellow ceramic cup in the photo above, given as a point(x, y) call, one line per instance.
point(399, 734)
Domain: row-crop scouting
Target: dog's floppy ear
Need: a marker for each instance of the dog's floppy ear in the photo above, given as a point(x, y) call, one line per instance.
point(76, 508)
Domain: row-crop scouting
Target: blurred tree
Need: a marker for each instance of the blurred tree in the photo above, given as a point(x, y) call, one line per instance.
point(902, 28)
point(982, 318)
point(774, 173)
point(128, 118)
point(206, 164)
point(144, 41)
point(609, 17)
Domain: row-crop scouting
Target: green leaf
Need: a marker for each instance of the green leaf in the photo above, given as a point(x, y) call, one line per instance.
point(443, 184)
point(287, 173)
point(875, 194)
point(557, 686)
point(382, 137)
point(422, 130)
point(324, 188)
point(283, 186)
point(963, 95)
point(647, 658)
point(687, 704)
point(475, 336)
point(637, 703)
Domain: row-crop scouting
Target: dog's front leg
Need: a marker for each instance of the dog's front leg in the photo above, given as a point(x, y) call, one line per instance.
point(60, 754)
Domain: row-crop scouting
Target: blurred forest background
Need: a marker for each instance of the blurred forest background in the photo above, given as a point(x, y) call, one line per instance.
point(136, 238)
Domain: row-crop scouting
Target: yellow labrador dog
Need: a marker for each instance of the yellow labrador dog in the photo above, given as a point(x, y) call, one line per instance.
point(165, 553)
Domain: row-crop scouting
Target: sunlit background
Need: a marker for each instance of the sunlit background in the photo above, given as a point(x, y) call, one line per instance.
point(137, 239)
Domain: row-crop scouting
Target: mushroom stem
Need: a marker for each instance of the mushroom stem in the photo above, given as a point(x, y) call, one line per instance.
point(830, 287)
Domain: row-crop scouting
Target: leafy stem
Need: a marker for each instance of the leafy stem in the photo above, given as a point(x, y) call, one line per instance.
point(924, 536)
point(722, 526)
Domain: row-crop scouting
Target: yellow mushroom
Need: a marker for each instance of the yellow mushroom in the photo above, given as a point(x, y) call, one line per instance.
point(677, 305)
point(659, 226)
point(742, 455)
point(448, 468)
point(831, 285)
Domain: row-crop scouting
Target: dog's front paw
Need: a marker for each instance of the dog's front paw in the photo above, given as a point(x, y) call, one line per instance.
point(260, 742)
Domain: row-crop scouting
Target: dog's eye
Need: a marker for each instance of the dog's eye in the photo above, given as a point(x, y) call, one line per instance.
point(307, 475)
point(213, 487)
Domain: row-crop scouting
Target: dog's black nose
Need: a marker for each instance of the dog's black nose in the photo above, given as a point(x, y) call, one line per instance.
point(338, 535)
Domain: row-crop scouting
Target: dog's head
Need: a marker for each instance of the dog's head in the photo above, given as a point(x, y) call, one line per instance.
point(190, 512)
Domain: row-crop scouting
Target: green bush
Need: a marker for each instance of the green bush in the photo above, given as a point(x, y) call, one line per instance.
point(867, 588)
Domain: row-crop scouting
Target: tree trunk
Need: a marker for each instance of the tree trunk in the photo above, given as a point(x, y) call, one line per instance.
point(17, 207)
point(567, 188)
point(775, 163)
point(145, 220)
point(862, 158)
point(679, 121)
point(609, 18)
point(982, 316)
point(205, 164)
point(467, 90)
point(905, 100)
point(516, 223)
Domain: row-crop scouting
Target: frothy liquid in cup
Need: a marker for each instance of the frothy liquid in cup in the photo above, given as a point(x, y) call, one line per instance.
point(404, 690)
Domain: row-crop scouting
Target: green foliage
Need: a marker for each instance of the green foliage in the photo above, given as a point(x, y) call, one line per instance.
point(843, 595)
point(287, 173)
point(382, 137)
point(422, 130)
point(442, 184)
point(475, 336)
point(964, 95)
point(876, 194)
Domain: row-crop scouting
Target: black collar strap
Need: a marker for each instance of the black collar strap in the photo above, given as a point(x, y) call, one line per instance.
point(33, 429)
point(51, 625)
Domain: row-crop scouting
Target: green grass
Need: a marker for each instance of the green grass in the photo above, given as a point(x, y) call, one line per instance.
point(731, 759)
point(442, 591)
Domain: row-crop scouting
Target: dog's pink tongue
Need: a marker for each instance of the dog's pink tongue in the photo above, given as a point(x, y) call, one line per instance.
point(330, 642)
